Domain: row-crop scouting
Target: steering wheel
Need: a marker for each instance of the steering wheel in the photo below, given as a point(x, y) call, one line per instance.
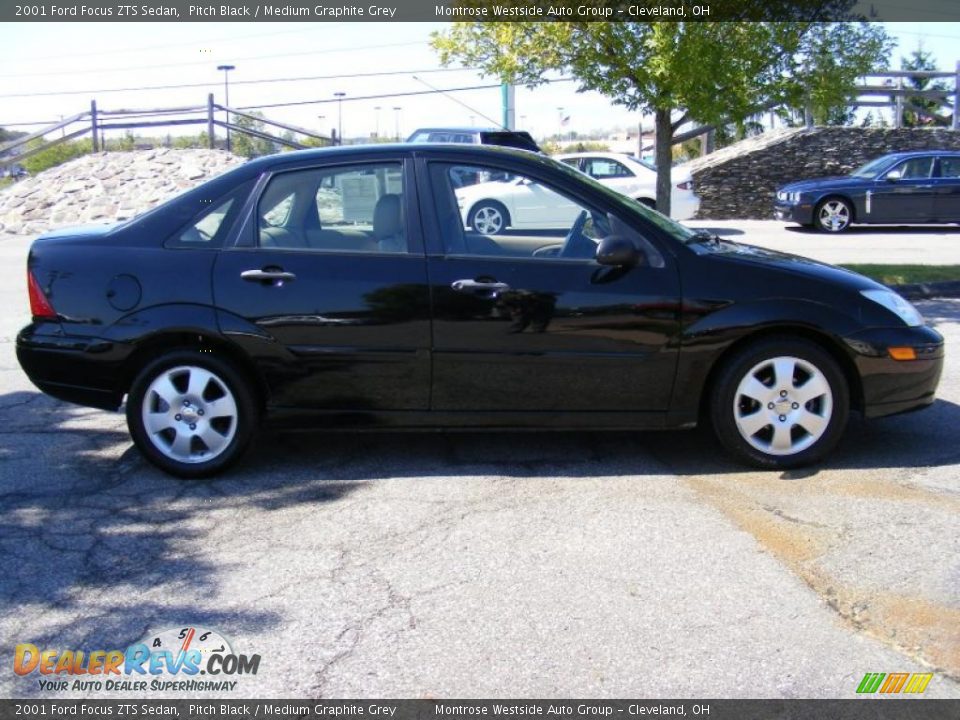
point(576, 244)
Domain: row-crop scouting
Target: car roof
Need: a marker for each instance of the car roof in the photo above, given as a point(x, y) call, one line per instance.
point(257, 165)
point(922, 153)
point(457, 129)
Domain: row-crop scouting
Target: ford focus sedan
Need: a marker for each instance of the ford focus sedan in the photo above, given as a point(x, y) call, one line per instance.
point(343, 289)
point(911, 188)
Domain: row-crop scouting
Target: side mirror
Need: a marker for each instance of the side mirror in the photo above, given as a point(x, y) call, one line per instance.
point(618, 251)
point(893, 176)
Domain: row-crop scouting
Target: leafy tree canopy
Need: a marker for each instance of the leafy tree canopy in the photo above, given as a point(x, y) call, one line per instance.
point(710, 72)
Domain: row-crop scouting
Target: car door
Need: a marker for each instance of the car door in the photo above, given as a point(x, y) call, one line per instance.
point(528, 321)
point(327, 288)
point(909, 197)
point(946, 204)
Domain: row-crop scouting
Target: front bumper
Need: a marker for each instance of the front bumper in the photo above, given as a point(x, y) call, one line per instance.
point(895, 386)
point(793, 212)
point(81, 370)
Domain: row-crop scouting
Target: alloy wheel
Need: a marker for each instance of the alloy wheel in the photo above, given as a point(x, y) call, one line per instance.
point(189, 414)
point(783, 405)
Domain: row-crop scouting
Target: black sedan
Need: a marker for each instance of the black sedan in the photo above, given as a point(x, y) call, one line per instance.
point(912, 187)
point(340, 288)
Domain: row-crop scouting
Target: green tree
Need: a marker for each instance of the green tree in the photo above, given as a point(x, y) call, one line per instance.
point(918, 110)
point(831, 59)
point(250, 146)
point(713, 73)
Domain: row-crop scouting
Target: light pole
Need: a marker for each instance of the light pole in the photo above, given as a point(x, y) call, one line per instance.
point(339, 96)
point(560, 127)
point(396, 121)
point(377, 133)
point(226, 95)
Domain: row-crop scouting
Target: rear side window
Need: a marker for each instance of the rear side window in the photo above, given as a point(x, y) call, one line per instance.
point(349, 208)
point(604, 169)
point(950, 167)
point(210, 227)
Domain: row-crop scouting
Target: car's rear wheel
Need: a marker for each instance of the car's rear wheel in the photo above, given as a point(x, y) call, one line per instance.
point(833, 215)
point(489, 217)
point(780, 402)
point(190, 414)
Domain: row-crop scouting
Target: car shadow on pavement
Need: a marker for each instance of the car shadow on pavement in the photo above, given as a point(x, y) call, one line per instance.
point(98, 549)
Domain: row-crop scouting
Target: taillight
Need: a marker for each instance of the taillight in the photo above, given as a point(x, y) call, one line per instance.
point(688, 185)
point(40, 307)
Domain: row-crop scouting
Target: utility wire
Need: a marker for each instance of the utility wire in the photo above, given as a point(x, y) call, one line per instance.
point(189, 43)
point(153, 66)
point(218, 83)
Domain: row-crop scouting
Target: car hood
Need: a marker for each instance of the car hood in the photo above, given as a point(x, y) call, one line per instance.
point(793, 264)
point(825, 183)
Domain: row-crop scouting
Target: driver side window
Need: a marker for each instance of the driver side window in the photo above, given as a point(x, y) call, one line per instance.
point(488, 212)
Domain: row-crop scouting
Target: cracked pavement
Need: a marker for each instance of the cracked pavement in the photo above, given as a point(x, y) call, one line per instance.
point(489, 565)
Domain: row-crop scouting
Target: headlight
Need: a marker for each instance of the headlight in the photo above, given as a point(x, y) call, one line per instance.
point(781, 195)
point(895, 304)
point(790, 197)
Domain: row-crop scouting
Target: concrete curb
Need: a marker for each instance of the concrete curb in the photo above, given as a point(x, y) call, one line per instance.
point(925, 291)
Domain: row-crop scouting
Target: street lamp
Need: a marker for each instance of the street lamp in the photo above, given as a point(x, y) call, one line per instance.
point(226, 95)
point(339, 96)
point(396, 121)
point(377, 133)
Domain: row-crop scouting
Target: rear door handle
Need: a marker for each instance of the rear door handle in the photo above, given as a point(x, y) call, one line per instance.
point(275, 276)
point(479, 286)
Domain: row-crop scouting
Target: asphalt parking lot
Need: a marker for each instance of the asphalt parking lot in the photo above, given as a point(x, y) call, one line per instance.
point(478, 565)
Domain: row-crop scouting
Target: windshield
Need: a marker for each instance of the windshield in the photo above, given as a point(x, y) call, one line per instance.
point(671, 227)
point(873, 167)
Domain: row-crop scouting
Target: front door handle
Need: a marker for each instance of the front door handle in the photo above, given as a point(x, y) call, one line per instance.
point(268, 276)
point(479, 286)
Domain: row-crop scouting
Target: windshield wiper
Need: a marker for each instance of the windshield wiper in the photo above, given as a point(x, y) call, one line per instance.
point(704, 236)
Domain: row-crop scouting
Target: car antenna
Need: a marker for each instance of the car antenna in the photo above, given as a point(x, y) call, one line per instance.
point(458, 102)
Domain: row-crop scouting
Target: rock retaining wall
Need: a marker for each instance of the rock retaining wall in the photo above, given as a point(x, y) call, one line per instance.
point(105, 187)
point(739, 181)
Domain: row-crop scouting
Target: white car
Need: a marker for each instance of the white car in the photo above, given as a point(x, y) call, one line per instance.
point(516, 202)
point(637, 179)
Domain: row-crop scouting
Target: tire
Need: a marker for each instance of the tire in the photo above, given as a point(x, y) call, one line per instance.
point(488, 217)
point(769, 420)
point(833, 215)
point(191, 414)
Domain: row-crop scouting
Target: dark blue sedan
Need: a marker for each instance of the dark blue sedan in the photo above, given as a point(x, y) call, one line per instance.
point(909, 187)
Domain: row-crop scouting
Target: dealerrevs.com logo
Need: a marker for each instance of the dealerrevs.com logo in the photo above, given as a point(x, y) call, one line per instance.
point(171, 660)
point(894, 683)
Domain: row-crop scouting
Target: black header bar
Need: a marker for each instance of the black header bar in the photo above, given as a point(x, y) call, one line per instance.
point(897, 708)
point(939, 11)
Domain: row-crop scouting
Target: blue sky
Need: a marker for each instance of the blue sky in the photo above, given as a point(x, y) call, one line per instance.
point(75, 63)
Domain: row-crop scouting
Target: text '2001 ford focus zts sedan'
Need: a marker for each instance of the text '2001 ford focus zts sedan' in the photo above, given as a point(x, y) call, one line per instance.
point(343, 288)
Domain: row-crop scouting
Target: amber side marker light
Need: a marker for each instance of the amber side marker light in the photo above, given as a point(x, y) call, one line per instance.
point(902, 353)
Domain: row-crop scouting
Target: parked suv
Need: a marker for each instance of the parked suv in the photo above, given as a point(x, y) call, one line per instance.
point(520, 139)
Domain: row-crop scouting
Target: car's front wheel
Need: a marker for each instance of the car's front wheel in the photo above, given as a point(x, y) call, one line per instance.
point(833, 215)
point(190, 414)
point(488, 217)
point(780, 402)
